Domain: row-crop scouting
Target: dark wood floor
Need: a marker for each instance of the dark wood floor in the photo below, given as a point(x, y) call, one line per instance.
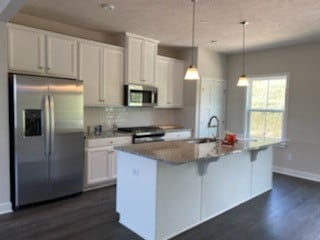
point(290, 211)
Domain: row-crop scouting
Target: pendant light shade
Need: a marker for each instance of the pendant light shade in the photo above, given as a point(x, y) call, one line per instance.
point(243, 80)
point(192, 71)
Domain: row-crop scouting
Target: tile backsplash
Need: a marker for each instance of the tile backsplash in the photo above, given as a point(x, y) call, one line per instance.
point(127, 116)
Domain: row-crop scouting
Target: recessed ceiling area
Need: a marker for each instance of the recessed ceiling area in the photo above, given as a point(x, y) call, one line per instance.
point(273, 23)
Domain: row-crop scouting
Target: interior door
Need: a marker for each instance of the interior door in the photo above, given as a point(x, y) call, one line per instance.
point(66, 159)
point(212, 102)
point(29, 149)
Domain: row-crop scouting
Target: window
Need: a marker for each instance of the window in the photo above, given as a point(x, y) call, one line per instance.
point(266, 107)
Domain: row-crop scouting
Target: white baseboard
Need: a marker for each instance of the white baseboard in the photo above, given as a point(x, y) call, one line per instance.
point(5, 208)
point(297, 173)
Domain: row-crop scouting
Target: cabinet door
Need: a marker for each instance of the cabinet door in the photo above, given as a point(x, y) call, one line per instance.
point(212, 102)
point(261, 179)
point(162, 80)
point(113, 76)
point(113, 164)
point(170, 83)
point(26, 50)
point(98, 165)
point(226, 184)
point(177, 85)
point(149, 63)
point(61, 56)
point(134, 60)
point(90, 71)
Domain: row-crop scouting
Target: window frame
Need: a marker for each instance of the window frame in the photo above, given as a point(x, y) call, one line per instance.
point(248, 109)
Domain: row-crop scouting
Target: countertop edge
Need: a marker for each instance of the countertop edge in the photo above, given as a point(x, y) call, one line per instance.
point(232, 151)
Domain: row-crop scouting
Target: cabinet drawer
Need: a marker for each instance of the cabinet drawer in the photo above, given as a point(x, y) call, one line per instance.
point(112, 141)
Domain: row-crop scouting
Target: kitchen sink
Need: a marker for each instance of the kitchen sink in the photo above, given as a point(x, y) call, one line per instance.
point(201, 140)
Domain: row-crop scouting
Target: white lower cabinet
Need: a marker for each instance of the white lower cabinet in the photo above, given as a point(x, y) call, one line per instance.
point(101, 161)
point(99, 165)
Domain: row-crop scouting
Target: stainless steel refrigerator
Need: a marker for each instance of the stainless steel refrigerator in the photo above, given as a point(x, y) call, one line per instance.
point(46, 138)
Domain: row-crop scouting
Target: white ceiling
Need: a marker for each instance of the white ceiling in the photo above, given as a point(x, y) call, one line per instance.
point(273, 23)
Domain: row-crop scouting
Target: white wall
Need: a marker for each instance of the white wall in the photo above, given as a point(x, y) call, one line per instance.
point(187, 116)
point(303, 128)
point(210, 65)
point(5, 204)
point(44, 24)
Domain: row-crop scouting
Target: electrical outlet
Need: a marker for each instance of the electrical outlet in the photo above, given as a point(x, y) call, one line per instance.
point(289, 156)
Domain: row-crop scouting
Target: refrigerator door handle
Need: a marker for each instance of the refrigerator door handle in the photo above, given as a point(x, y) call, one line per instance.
point(52, 124)
point(47, 125)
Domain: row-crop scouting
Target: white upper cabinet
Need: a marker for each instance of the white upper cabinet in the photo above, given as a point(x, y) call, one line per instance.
point(177, 83)
point(170, 82)
point(41, 52)
point(162, 80)
point(141, 56)
point(134, 60)
point(26, 50)
point(90, 72)
point(101, 70)
point(113, 75)
point(149, 58)
point(62, 56)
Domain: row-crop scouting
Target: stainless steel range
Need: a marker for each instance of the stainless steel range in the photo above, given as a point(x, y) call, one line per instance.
point(144, 134)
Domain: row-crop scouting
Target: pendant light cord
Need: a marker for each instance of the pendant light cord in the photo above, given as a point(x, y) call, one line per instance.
point(193, 25)
point(243, 47)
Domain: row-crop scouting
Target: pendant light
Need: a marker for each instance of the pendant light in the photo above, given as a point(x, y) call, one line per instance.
point(243, 80)
point(192, 72)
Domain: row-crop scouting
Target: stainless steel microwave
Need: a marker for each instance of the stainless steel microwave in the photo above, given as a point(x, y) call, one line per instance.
point(140, 96)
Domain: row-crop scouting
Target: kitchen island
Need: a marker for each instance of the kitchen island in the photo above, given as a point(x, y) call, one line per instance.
point(165, 188)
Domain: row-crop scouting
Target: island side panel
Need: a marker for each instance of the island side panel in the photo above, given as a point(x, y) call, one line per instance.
point(226, 184)
point(136, 193)
point(262, 172)
point(178, 198)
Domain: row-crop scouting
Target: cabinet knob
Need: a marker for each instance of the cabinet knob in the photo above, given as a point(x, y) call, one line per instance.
point(40, 67)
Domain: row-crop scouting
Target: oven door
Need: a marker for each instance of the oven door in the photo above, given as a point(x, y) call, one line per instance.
point(140, 96)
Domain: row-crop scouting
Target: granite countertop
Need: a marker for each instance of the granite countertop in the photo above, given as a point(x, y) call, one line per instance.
point(107, 134)
point(179, 152)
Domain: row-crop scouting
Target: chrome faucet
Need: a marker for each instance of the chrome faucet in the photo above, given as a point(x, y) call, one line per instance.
point(214, 126)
